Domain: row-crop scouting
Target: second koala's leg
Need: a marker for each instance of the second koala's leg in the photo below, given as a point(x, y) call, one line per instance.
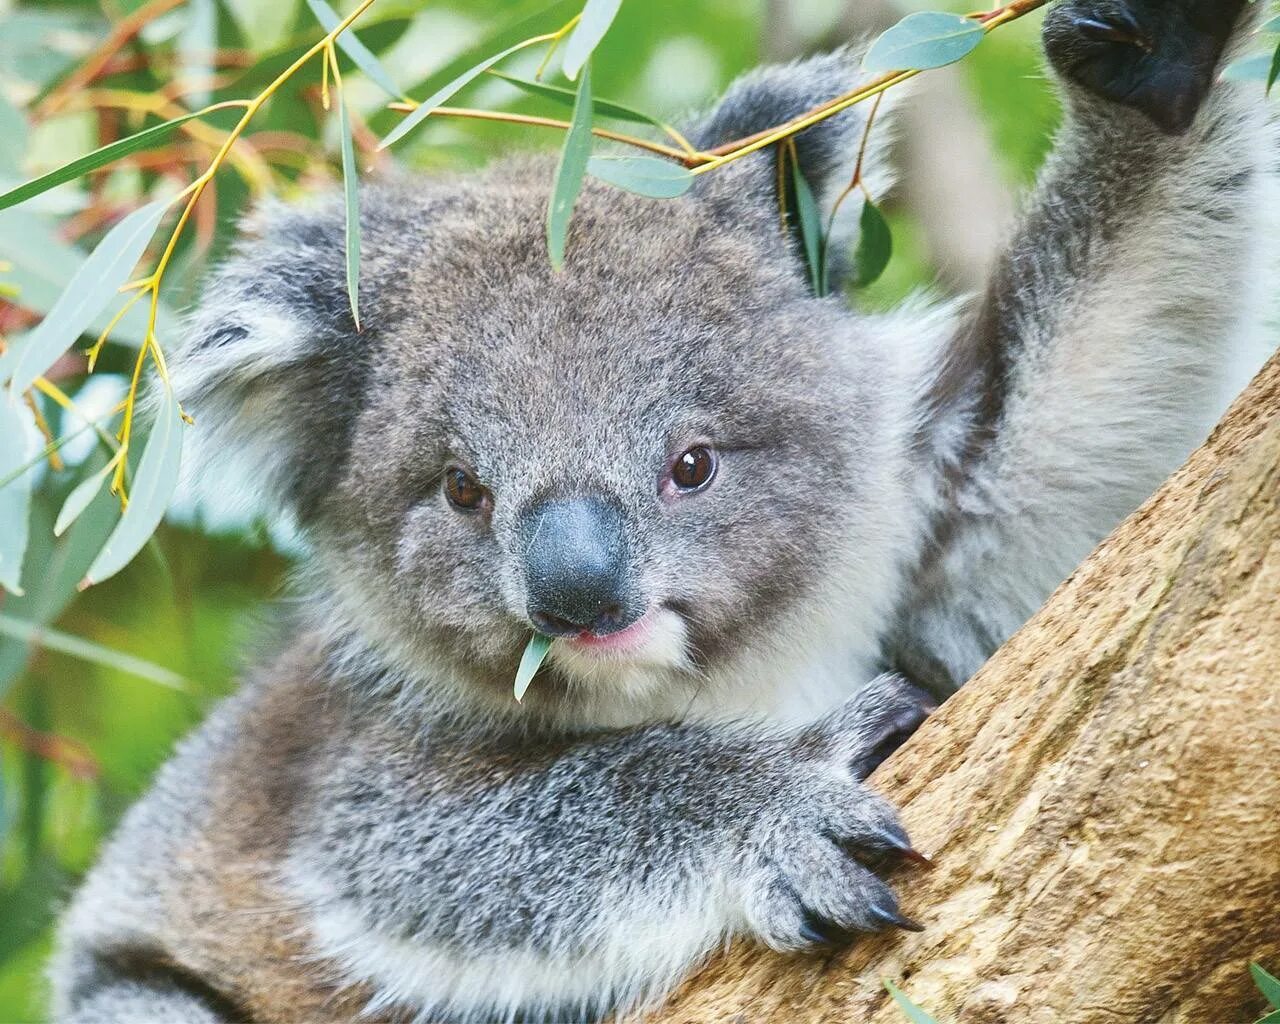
point(478, 879)
point(1102, 352)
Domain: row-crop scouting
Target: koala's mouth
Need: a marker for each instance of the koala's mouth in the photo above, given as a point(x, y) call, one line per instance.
point(633, 638)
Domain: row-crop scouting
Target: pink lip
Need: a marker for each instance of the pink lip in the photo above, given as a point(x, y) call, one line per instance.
point(629, 639)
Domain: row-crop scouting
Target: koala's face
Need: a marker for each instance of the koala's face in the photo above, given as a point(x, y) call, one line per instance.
point(652, 456)
point(644, 456)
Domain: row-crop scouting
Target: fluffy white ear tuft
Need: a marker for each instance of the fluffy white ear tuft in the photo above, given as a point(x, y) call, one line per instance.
point(271, 358)
point(828, 151)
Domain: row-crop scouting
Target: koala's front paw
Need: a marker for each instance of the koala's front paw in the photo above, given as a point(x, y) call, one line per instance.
point(1158, 56)
point(805, 868)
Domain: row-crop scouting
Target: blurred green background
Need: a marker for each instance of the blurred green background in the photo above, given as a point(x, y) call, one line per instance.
point(79, 739)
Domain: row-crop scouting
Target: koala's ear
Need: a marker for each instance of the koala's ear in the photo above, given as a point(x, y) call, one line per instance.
point(828, 152)
point(272, 366)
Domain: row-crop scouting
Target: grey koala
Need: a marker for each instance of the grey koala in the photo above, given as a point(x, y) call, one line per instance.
point(756, 523)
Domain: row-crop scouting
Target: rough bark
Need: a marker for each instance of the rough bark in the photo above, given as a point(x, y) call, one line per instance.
point(1102, 799)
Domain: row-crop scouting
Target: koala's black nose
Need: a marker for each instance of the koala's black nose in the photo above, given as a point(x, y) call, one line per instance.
point(576, 566)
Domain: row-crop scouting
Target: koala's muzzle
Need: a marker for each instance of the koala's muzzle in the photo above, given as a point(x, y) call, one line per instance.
point(577, 567)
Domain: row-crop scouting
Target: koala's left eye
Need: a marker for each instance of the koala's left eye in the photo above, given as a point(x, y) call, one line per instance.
point(464, 491)
point(693, 469)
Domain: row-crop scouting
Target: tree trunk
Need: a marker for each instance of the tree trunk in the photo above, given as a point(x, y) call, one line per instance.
point(1102, 799)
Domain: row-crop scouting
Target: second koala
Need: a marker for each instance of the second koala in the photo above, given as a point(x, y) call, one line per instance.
point(755, 522)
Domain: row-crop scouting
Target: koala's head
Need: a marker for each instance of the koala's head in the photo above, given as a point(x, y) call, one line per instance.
point(655, 455)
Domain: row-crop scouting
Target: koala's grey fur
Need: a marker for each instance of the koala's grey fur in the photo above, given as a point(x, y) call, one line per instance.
point(372, 825)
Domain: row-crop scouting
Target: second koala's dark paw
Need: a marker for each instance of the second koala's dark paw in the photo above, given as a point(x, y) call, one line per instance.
point(1157, 56)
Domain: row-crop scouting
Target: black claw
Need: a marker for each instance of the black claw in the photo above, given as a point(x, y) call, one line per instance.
point(1124, 29)
point(890, 915)
point(818, 931)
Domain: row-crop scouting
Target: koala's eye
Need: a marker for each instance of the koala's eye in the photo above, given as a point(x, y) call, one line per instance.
point(693, 469)
point(463, 490)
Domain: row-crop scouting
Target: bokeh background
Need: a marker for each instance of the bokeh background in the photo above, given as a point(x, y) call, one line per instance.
point(82, 726)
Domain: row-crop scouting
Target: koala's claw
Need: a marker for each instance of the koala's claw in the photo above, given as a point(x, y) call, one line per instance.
point(1156, 56)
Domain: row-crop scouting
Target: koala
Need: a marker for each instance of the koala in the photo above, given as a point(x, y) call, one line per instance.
point(764, 531)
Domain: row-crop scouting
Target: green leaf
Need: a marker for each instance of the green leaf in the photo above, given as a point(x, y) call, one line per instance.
point(87, 650)
point(1274, 71)
point(362, 56)
point(423, 110)
point(567, 98)
point(89, 292)
point(1267, 984)
point(909, 1009)
point(810, 225)
point(597, 16)
point(196, 47)
point(351, 197)
point(926, 39)
point(153, 487)
point(15, 497)
point(81, 498)
point(1253, 68)
point(644, 175)
point(1271, 26)
point(875, 246)
point(144, 139)
point(530, 662)
point(570, 171)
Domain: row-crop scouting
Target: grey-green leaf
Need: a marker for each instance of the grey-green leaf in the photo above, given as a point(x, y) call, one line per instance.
point(1274, 71)
point(570, 171)
point(810, 225)
point(909, 1009)
point(1253, 68)
point(153, 487)
point(89, 292)
point(926, 39)
point(597, 16)
point(875, 246)
point(15, 497)
point(362, 56)
point(645, 175)
point(80, 498)
point(530, 662)
point(87, 650)
point(567, 97)
point(351, 196)
point(1267, 984)
point(144, 139)
point(423, 110)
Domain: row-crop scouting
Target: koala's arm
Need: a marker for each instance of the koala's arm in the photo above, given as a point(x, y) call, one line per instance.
point(1114, 325)
point(481, 877)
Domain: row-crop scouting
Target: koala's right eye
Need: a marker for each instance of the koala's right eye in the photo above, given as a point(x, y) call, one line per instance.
point(464, 491)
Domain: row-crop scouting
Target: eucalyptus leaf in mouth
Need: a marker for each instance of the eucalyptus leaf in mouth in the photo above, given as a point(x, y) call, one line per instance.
point(530, 662)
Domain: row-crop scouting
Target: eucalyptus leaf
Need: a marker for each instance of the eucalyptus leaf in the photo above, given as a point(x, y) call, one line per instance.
point(363, 57)
point(810, 227)
point(15, 497)
point(196, 46)
point(567, 97)
point(88, 293)
point(570, 172)
point(926, 39)
point(86, 650)
point(909, 1009)
point(81, 498)
point(644, 175)
point(1271, 1018)
point(351, 198)
point(1253, 68)
point(596, 18)
point(153, 487)
point(1267, 984)
point(423, 110)
point(875, 246)
point(81, 166)
point(530, 662)
point(1274, 71)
